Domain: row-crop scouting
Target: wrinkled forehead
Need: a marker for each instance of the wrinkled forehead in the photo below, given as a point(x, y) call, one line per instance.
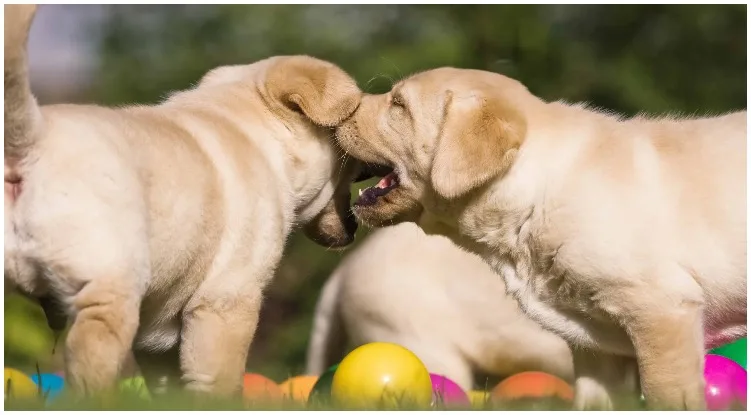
point(423, 84)
point(442, 80)
point(435, 84)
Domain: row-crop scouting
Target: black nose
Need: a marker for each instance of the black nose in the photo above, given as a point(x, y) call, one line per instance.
point(350, 227)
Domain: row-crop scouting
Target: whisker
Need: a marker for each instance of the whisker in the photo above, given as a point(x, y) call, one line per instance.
point(380, 75)
point(398, 72)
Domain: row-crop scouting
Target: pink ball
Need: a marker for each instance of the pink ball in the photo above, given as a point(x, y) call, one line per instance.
point(725, 383)
point(447, 393)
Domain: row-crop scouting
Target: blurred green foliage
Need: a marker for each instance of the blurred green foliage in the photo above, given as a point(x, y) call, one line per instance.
point(627, 58)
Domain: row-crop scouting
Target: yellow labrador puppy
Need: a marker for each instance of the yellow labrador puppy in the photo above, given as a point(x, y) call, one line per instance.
point(443, 303)
point(627, 237)
point(159, 226)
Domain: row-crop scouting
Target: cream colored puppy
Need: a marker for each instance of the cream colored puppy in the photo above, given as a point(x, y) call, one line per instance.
point(627, 237)
point(159, 226)
point(443, 303)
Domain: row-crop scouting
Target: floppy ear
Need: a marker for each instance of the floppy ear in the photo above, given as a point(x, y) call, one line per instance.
point(318, 89)
point(478, 141)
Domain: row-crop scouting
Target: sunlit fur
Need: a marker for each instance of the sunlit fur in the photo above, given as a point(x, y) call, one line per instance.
point(627, 237)
point(161, 225)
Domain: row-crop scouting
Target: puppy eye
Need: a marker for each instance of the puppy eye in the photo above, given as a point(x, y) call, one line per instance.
point(397, 101)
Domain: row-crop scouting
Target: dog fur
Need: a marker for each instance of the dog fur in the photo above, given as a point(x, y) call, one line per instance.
point(158, 227)
point(627, 237)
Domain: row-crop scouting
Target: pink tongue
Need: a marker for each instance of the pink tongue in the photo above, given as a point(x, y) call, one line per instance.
point(386, 181)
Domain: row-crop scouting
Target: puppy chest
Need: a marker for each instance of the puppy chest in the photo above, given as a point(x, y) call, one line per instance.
point(537, 278)
point(561, 304)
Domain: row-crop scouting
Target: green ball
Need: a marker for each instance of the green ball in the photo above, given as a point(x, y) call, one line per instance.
point(321, 392)
point(135, 386)
point(735, 351)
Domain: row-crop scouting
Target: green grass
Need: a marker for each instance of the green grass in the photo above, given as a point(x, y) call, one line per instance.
point(186, 402)
point(129, 403)
point(136, 398)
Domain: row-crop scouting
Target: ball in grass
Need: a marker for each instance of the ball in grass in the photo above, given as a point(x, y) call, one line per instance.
point(725, 384)
point(532, 385)
point(298, 388)
point(736, 351)
point(381, 376)
point(51, 384)
point(446, 393)
point(135, 386)
point(321, 392)
point(258, 388)
point(19, 386)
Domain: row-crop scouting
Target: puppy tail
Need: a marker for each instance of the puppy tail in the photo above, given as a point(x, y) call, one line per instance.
point(22, 114)
point(327, 340)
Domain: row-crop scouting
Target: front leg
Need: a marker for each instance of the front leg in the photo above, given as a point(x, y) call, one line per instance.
point(604, 381)
point(664, 322)
point(669, 347)
point(219, 323)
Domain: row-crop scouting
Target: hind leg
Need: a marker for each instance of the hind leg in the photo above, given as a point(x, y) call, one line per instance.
point(87, 232)
point(101, 335)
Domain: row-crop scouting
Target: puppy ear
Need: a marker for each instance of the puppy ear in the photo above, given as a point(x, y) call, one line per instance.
point(318, 89)
point(478, 141)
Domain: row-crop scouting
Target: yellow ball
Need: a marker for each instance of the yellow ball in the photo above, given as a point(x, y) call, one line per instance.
point(19, 386)
point(381, 376)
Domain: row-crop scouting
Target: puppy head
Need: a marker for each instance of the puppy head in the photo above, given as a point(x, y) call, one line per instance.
point(445, 133)
point(320, 93)
point(310, 96)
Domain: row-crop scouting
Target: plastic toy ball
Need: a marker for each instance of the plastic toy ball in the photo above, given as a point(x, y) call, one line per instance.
point(736, 351)
point(259, 388)
point(19, 386)
point(51, 384)
point(135, 386)
point(726, 384)
point(381, 376)
point(532, 385)
point(479, 399)
point(447, 393)
point(298, 388)
point(321, 392)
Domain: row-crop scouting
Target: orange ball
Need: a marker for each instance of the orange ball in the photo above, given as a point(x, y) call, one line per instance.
point(532, 385)
point(260, 388)
point(298, 387)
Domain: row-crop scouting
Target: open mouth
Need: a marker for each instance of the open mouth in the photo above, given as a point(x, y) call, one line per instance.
point(370, 195)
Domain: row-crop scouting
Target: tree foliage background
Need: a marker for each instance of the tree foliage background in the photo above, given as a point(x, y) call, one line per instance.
point(628, 58)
